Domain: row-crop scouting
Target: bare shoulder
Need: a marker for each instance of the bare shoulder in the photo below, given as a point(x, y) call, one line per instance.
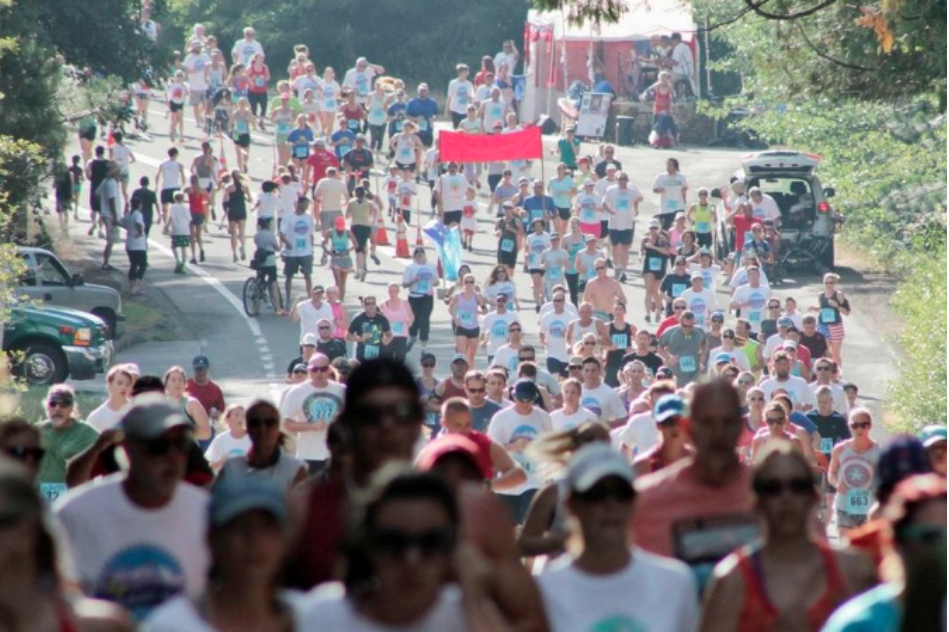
point(857, 568)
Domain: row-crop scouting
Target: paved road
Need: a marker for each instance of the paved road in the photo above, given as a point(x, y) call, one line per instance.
point(250, 355)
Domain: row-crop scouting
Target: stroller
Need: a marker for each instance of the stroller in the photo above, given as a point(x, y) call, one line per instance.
point(220, 121)
point(801, 250)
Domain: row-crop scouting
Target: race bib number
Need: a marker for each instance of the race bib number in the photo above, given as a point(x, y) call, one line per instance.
point(362, 84)
point(507, 245)
point(370, 352)
point(423, 125)
point(405, 201)
point(466, 318)
point(828, 315)
point(398, 328)
point(622, 204)
point(259, 82)
point(620, 341)
point(655, 265)
point(283, 128)
point(702, 227)
point(405, 154)
point(497, 111)
point(555, 273)
point(353, 125)
point(826, 445)
point(52, 491)
point(299, 243)
point(858, 501)
point(677, 289)
point(754, 317)
point(301, 151)
point(672, 205)
point(687, 364)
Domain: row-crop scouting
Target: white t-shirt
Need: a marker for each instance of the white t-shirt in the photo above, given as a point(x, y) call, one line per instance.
point(195, 65)
point(569, 309)
point(554, 328)
point(741, 278)
point(332, 193)
point(510, 427)
point(652, 594)
point(495, 326)
point(298, 230)
point(225, 446)
point(640, 433)
point(170, 174)
point(138, 558)
point(122, 156)
point(670, 200)
point(177, 92)
point(701, 303)
point(506, 357)
point(310, 315)
point(451, 188)
point(361, 81)
point(796, 388)
point(267, 205)
point(245, 50)
point(682, 55)
point(289, 193)
point(503, 287)
point(767, 208)
point(562, 421)
point(771, 345)
point(306, 403)
point(535, 245)
point(180, 217)
point(622, 202)
point(603, 402)
point(425, 276)
point(841, 403)
point(709, 275)
point(494, 112)
point(461, 94)
point(181, 615)
point(103, 418)
point(133, 240)
point(758, 298)
point(328, 608)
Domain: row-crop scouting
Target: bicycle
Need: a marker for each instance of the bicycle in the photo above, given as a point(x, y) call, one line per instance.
point(257, 291)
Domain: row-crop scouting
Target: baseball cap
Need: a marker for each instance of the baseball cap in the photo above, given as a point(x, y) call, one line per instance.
point(525, 389)
point(784, 321)
point(663, 373)
point(448, 444)
point(697, 275)
point(902, 458)
point(554, 235)
point(309, 340)
point(589, 183)
point(722, 357)
point(423, 86)
point(361, 137)
point(340, 223)
point(789, 345)
point(234, 496)
point(611, 167)
point(575, 361)
point(592, 463)
point(704, 250)
point(133, 369)
point(754, 190)
point(299, 367)
point(427, 357)
point(201, 362)
point(523, 180)
point(590, 237)
point(670, 406)
point(932, 434)
point(653, 223)
point(459, 357)
point(717, 317)
point(507, 204)
point(151, 417)
point(320, 142)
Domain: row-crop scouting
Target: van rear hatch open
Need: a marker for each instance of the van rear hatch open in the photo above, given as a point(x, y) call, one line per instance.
point(780, 162)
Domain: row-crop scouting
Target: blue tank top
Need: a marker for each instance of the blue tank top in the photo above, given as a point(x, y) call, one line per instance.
point(340, 242)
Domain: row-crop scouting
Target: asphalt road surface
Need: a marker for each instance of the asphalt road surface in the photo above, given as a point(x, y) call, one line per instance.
point(249, 355)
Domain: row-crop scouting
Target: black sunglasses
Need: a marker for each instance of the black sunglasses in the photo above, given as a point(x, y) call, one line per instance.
point(258, 422)
point(59, 403)
point(796, 486)
point(477, 390)
point(860, 424)
point(397, 544)
point(428, 365)
point(318, 369)
point(25, 453)
point(164, 445)
point(773, 421)
point(622, 492)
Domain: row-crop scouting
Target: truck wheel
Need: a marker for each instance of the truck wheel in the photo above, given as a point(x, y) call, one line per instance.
point(109, 318)
point(42, 364)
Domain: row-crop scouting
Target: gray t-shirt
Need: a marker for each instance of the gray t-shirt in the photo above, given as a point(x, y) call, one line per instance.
point(688, 348)
point(480, 417)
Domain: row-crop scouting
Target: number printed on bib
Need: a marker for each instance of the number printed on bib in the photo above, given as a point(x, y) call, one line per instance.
point(687, 364)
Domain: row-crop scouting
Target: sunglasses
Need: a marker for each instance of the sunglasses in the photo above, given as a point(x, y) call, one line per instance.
point(323, 328)
point(163, 445)
point(24, 453)
point(260, 422)
point(558, 300)
point(478, 390)
point(428, 365)
point(600, 492)
point(601, 267)
point(860, 424)
point(530, 359)
point(469, 282)
point(318, 369)
point(727, 336)
point(59, 403)
point(369, 416)
point(773, 421)
point(754, 399)
point(589, 344)
point(823, 368)
point(774, 307)
point(678, 309)
point(575, 367)
point(796, 486)
point(397, 544)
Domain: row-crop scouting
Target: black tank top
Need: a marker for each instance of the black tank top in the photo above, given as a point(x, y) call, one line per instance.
point(622, 339)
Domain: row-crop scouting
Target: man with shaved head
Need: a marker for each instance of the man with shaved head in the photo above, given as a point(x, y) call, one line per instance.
point(699, 509)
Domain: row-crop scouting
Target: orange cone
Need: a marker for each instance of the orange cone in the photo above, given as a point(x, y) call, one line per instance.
point(110, 140)
point(382, 237)
point(401, 239)
point(222, 157)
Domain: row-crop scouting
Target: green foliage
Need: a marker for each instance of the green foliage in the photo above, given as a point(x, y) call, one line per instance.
point(416, 41)
point(583, 11)
point(919, 395)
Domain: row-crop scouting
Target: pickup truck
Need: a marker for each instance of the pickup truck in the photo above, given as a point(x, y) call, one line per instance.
point(50, 344)
point(46, 280)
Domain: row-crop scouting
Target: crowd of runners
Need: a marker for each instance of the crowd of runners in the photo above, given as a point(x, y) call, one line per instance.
point(699, 461)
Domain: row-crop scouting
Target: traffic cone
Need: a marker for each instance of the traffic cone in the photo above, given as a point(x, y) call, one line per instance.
point(382, 237)
point(401, 239)
point(222, 160)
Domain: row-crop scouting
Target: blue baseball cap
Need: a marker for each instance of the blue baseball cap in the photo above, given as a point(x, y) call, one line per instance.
point(722, 357)
point(669, 407)
point(236, 495)
point(526, 390)
point(933, 434)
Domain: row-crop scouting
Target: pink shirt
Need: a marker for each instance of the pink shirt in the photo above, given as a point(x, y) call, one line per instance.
point(674, 494)
point(398, 318)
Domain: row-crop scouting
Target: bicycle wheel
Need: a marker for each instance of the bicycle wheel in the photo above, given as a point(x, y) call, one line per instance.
point(251, 297)
point(270, 296)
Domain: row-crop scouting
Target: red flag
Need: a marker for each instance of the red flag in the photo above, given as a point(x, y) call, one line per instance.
point(461, 147)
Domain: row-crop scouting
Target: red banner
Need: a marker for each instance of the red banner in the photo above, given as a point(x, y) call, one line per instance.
point(461, 147)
